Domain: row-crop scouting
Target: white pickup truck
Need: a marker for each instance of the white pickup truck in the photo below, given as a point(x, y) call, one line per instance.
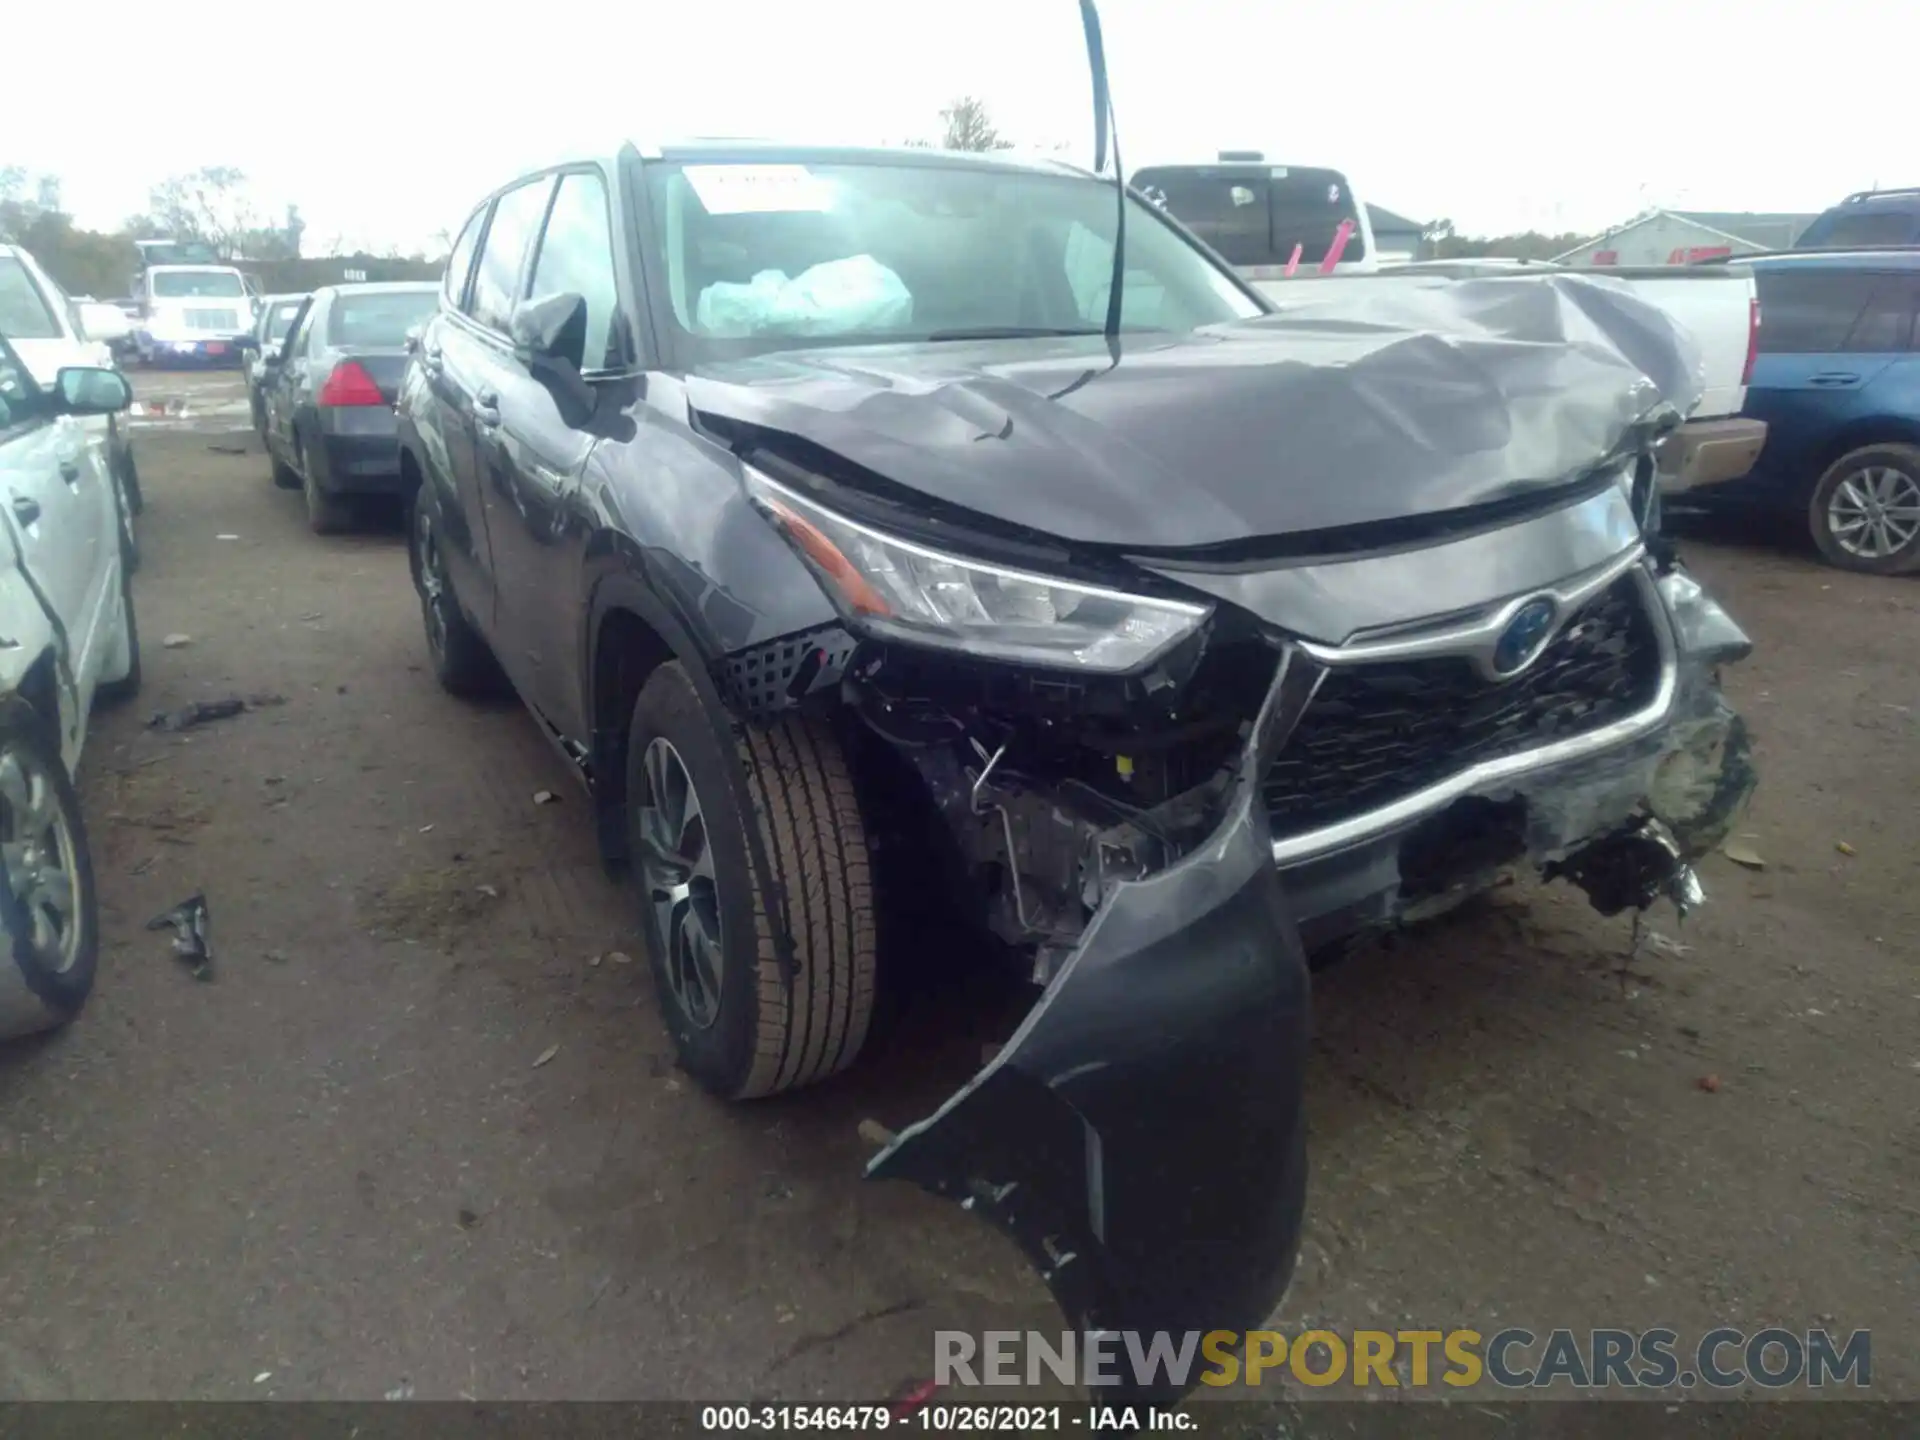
point(1718, 303)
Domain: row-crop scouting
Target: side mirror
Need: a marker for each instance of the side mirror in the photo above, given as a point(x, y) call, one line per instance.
point(100, 321)
point(411, 342)
point(550, 339)
point(88, 390)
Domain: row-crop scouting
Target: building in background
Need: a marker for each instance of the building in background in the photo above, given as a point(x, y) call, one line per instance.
point(1396, 239)
point(1680, 237)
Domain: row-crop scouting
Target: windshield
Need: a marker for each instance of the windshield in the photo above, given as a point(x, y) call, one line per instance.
point(196, 285)
point(23, 310)
point(1857, 229)
point(280, 318)
point(378, 320)
point(761, 257)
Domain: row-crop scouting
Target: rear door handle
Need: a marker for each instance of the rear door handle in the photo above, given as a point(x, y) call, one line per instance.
point(486, 408)
point(26, 509)
point(1832, 378)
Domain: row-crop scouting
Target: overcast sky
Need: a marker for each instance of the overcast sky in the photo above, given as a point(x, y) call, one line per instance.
point(385, 121)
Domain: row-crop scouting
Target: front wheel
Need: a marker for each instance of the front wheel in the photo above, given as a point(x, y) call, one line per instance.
point(1865, 511)
point(47, 899)
point(744, 1027)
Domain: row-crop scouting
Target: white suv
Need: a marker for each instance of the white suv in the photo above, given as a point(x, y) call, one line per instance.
point(67, 635)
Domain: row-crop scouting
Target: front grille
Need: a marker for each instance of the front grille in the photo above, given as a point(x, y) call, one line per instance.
point(225, 321)
point(1378, 732)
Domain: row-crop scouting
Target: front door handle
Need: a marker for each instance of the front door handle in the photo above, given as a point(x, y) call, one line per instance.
point(486, 408)
point(70, 471)
point(1834, 378)
point(26, 509)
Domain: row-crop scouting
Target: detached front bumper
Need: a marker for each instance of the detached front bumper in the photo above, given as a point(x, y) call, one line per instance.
point(1141, 1135)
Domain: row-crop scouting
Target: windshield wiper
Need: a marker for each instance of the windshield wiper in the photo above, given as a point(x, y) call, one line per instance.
point(1009, 332)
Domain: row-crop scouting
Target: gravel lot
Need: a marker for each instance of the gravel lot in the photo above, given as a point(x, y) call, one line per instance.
point(339, 1167)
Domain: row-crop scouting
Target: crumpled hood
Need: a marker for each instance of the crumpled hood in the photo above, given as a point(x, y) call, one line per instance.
point(1342, 410)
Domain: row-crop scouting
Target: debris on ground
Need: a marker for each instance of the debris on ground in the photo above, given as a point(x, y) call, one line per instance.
point(619, 957)
point(263, 1377)
point(1744, 855)
point(593, 960)
point(189, 920)
point(1709, 1083)
point(875, 1134)
point(175, 642)
point(544, 797)
point(402, 1391)
point(487, 890)
point(202, 712)
point(278, 957)
point(1844, 848)
point(228, 449)
point(226, 537)
point(546, 1055)
point(466, 1219)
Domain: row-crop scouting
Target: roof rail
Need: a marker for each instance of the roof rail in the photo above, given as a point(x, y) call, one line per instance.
point(1860, 195)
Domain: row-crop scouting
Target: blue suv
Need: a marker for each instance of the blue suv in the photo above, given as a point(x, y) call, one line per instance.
point(1837, 380)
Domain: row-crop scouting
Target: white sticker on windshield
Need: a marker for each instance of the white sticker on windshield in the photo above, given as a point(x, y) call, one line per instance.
point(757, 189)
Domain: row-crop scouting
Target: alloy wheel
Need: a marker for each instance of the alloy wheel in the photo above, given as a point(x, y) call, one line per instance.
point(37, 844)
point(433, 584)
point(1875, 512)
point(682, 896)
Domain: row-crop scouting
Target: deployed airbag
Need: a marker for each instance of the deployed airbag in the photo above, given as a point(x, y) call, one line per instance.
point(836, 297)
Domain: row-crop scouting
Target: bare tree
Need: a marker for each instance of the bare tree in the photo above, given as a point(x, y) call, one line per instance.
point(969, 128)
point(211, 205)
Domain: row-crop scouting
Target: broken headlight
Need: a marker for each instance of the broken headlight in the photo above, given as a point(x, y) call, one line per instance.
point(900, 590)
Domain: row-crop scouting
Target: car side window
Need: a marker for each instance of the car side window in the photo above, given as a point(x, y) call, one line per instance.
point(460, 262)
point(576, 257)
point(296, 339)
point(1807, 311)
point(1885, 327)
point(496, 279)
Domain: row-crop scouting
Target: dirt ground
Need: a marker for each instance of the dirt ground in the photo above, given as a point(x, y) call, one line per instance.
point(339, 1171)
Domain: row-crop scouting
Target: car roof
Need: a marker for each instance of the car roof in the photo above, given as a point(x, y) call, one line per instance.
point(282, 296)
point(775, 152)
point(380, 287)
point(1862, 259)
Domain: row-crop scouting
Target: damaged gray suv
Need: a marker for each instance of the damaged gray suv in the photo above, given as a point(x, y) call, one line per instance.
point(824, 511)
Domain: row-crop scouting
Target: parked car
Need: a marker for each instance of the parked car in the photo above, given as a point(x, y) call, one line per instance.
point(277, 314)
point(1870, 219)
point(66, 609)
point(192, 313)
point(805, 499)
point(1718, 305)
point(1838, 385)
point(50, 332)
point(1255, 213)
point(327, 395)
